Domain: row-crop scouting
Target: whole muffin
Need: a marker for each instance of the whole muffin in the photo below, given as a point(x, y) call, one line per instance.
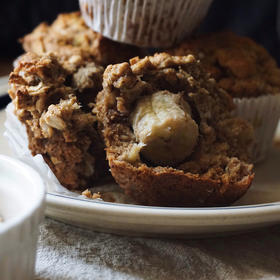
point(54, 101)
point(69, 35)
point(169, 134)
point(248, 73)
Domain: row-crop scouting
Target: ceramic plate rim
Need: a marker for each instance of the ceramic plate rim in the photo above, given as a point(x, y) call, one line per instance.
point(229, 211)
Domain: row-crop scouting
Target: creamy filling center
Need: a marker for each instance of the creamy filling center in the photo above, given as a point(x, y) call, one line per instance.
point(164, 128)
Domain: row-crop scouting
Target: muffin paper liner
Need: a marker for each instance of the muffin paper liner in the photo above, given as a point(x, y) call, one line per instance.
point(16, 134)
point(263, 113)
point(146, 23)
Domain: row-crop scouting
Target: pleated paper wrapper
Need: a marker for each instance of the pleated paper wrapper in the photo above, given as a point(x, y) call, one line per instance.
point(263, 113)
point(145, 23)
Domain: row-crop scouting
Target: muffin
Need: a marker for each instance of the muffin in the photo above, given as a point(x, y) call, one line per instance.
point(146, 23)
point(248, 73)
point(54, 101)
point(69, 35)
point(170, 137)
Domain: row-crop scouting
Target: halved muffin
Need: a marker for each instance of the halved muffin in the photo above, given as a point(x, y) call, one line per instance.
point(69, 35)
point(169, 134)
point(54, 101)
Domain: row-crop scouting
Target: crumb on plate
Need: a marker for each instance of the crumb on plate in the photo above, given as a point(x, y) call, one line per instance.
point(91, 195)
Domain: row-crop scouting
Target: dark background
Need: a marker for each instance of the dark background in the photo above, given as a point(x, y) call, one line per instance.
point(255, 18)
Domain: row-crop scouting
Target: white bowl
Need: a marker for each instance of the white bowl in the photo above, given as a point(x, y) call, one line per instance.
point(22, 197)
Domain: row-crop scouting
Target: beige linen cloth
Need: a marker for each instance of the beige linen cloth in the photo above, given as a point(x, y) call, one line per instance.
point(65, 252)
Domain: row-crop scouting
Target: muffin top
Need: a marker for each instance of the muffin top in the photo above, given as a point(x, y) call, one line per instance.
point(240, 66)
point(69, 35)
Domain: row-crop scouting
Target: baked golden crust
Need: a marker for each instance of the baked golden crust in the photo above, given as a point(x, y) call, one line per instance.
point(69, 35)
point(56, 110)
point(239, 65)
point(171, 187)
point(216, 173)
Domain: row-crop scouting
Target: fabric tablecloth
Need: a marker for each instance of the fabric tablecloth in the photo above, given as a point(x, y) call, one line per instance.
point(67, 252)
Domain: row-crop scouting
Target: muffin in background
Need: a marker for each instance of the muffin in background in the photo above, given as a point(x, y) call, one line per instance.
point(147, 23)
point(248, 73)
point(69, 35)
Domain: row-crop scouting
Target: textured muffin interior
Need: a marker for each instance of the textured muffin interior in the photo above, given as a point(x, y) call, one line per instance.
point(223, 144)
point(54, 101)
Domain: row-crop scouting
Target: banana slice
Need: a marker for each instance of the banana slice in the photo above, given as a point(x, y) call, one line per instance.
point(164, 128)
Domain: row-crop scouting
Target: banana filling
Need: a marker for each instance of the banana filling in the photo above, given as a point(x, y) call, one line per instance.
point(164, 128)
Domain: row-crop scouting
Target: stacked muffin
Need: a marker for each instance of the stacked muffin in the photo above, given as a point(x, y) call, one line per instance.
point(165, 122)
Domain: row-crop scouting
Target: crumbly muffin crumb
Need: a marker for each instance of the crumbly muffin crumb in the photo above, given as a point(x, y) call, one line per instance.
point(87, 193)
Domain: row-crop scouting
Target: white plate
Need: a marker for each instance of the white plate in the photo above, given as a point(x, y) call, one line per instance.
point(258, 208)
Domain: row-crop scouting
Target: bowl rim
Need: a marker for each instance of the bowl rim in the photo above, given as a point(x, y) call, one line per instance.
point(40, 192)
